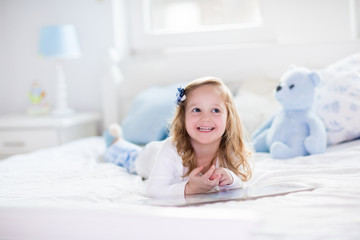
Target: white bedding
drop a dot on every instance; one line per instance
(69, 192)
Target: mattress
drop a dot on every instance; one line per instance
(69, 192)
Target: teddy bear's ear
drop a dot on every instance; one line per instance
(315, 77)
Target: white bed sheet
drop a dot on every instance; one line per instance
(69, 185)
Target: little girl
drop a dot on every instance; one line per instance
(205, 150)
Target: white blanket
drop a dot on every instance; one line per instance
(73, 177)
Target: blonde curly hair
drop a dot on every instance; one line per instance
(233, 152)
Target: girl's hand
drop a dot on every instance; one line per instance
(202, 183)
(225, 176)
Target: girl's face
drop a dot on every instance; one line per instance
(205, 115)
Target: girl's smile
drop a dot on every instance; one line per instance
(205, 129)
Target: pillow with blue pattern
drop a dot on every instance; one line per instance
(338, 99)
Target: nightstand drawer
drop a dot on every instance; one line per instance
(20, 133)
(21, 141)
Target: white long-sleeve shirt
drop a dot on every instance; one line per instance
(166, 179)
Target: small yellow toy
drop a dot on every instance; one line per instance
(38, 105)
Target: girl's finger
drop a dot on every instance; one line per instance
(210, 172)
(224, 182)
(227, 179)
(216, 180)
(196, 171)
(213, 175)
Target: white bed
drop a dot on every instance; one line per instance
(68, 192)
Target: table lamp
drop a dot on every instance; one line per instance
(59, 42)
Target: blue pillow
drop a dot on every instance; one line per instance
(149, 115)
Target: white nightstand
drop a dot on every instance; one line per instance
(20, 133)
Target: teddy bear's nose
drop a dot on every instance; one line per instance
(278, 88)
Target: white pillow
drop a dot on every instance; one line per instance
(338, 99)
(256, 103)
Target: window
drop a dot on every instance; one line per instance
(175, 16)
(158, 24)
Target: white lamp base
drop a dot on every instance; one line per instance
(61, 105)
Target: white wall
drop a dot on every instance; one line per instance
(2, 58)
(20, 22)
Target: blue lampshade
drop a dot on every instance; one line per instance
(59, 41)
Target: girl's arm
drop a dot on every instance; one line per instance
(165, 179)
